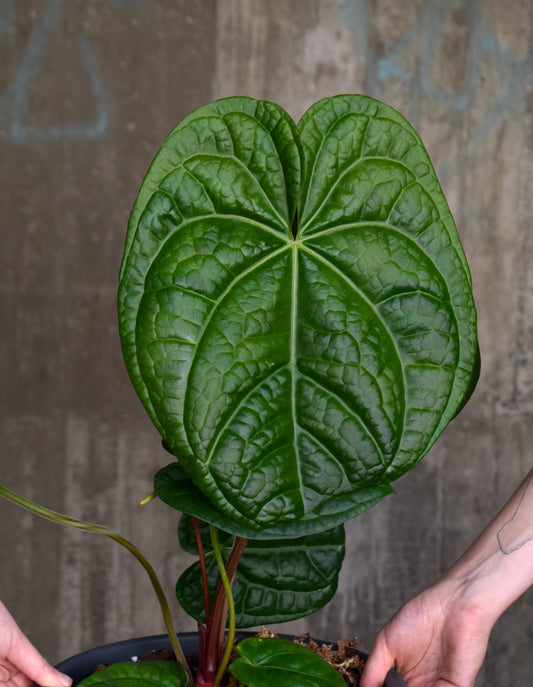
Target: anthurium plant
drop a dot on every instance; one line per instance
(296, 315)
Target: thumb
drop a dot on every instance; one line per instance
(25, 657)
(376, 668)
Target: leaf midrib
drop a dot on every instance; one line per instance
(294, 245)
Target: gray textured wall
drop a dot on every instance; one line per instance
(88, 90)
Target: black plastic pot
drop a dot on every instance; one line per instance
(83, 664)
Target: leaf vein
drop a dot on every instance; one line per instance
(349, 412)
(360, 161)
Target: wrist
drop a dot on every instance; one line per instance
(469, 599)
(486, 585)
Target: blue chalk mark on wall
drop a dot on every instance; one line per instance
(424, 34)
(430, 23)
(14, 100)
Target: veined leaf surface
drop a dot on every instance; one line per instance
(266, 662)
(176, 489)
(276, 580)
(295, 306)
(130, 674)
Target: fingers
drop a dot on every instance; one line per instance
(20, 663)
(29, 662)
(50, 677)
(10, 676)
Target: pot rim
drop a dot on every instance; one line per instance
(83, 664)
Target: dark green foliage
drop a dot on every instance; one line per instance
(295, 308)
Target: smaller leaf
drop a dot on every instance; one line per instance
(276, 580)
(187, 537)
(267, 662)
(129, 674)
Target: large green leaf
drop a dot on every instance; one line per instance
(276, 580)
(129, 674)
(267, 662)
(295, 306)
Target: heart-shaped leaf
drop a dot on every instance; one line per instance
(295, 306)
(276, 580)
(267, 662)
(129, 674)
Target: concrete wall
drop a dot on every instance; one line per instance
(88, 90)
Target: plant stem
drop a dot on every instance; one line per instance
(235, 556)
(201, 555)
(222, 607)
(231, 606)
(60, 519)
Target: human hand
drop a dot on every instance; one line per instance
(438, 639)
(20, 663)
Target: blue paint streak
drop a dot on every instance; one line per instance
(424, 35)
(14, 100)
